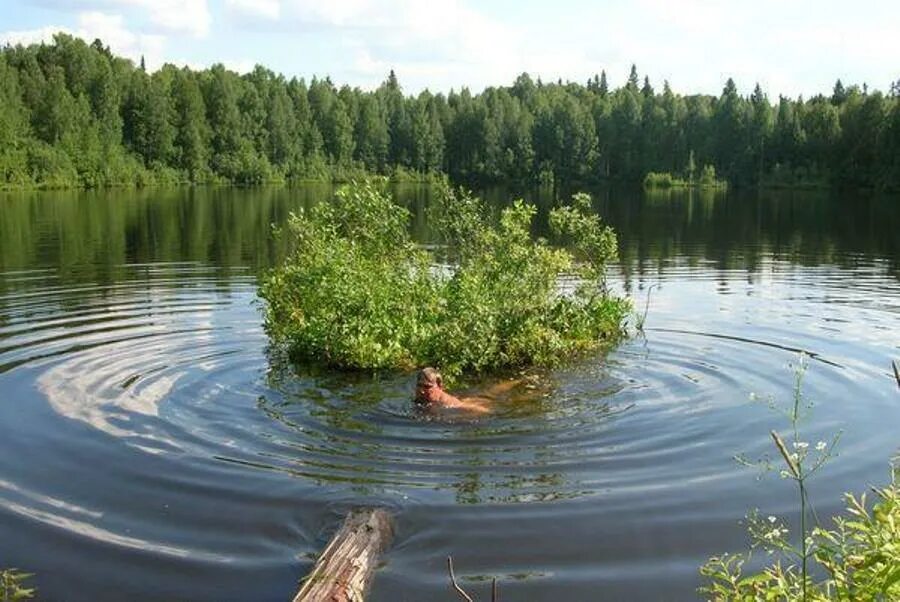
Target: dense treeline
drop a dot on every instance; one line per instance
(72, 114)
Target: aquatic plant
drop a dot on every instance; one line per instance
(664, 180)
(12, 586)
(357, 292)
(859, 556)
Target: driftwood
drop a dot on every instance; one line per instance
(896, 372)
(345, 567)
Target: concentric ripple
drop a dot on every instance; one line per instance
(175, 361)
(149, 430)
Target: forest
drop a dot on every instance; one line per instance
(73, 114)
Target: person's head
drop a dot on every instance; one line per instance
(429, 385)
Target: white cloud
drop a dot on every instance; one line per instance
(342, 13)
(425, 43)
(191, 17)
(182, 16)
(241, 66)
(260, 9)
(110, 29)
(786, 47)
(43, 35)
(695, 44)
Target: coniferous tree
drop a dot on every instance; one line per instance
(281, 124)
(149, 131)
(191, 128)
(647, 89)
(73, 114)
(788, 136)
(839, 95)
(730, 121)
(759, 128)
(14, 128)
(632, 84)
(220, 100)
(371, 134)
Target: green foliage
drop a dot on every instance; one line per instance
(359, 293)
(662, 180)
(400, 175)
(107, 116)
(50, 166)
(707, 180)
(859, 556)
(12, 586)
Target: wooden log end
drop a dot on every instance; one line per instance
(344, 569)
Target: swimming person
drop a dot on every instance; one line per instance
(430, 395)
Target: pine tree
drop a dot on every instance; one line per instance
(191, 129)
(604, 87)
(839, 95)
(632, 84)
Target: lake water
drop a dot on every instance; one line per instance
(152, 449)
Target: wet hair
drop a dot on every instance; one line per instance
(424, 377)
(429, 375)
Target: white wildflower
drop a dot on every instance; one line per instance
(772, 519)
(821, 445)
(800, 445)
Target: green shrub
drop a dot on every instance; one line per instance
(403, 175)
(50, 166)
(708, 178)
(661, 180)
(665, 180)
(13, 168)
(357, 292)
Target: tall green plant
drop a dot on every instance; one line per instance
(860, 555)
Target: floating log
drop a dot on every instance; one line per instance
(344, 569)
(897, 372)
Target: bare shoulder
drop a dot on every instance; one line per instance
(478, 405)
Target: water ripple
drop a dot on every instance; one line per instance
(168, 372)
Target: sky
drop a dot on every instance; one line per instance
(791, 47)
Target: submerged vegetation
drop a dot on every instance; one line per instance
(857, 559)
(358, 293)
(73, 114)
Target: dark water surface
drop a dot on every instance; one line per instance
(151, 449)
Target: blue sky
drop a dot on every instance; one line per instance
(790, 47)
